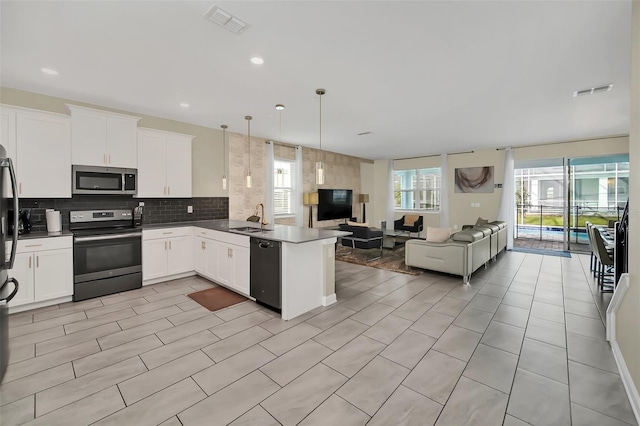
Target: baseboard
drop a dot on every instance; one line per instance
(36, 305)
(614, 304)
(329, 300)
(625, 375)
(168, 278)
(627, 380)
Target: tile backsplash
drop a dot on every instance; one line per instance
(156, 210)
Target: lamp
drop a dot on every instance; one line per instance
(310, 199)
(248, 172)
(279, 171)
(224, 156)
(363, 198)
(319, 165)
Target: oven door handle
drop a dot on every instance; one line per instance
(107, 237)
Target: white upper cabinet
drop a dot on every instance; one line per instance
(101, 138)
(164, 164)
(43, 157)
(8, 130)
(8, 141)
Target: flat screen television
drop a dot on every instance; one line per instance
(334, 204)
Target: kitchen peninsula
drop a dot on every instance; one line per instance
(220, 251)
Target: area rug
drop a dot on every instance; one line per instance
(217, 298)
(391, 260)
(542, 251)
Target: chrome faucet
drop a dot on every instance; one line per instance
(262, 221)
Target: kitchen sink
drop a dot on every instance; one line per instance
(246, 229)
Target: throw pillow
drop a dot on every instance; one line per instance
(357, 224)
(438, 235)
(481, 221)
(410, 219)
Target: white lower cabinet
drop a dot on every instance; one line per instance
(206, 258)
(223, 262)
(167, 252)
(180, 255)
(219, 256)
(233, 266)
(43, 269)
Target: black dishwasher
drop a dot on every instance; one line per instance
(266, 272)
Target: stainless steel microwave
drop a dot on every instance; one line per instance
(103, 180)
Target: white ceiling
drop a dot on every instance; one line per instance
(424, 77)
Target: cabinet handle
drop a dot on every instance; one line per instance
(37, 261)
(20, 188)
(165, 245)
(104, 158)
(203, 233)
(109, 159)
(167, 233)
(230, 252)
(169, 245)
(29, 263)
(33, 245)
(168, 190)
(164, 190)
(202, 245)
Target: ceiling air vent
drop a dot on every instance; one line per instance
(593, 90)
(225, 19)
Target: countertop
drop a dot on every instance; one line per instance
(43, 234)
(284, 233)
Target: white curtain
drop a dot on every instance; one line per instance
(268, 183)
(444, 191)
(299, 188)
(507, 202)
(391, 207)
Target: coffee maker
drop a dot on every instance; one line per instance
(137, 216)
(24, 221)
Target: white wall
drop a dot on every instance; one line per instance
(628, 317)
(460, 210)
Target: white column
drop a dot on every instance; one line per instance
(299, 188)
(268, 184)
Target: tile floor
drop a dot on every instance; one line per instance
(523, 344)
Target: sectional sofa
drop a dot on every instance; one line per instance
(462, 254)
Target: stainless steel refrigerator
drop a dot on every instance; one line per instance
(9, 285)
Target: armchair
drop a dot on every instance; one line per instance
(418, 225)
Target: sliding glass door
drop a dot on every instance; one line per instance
(555, 197)
(540, 205)
(598, 191)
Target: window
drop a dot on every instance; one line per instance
(283, 187)
(417, 189)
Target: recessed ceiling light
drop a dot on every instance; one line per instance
(184, 105)
(256, 60)
(49, 71)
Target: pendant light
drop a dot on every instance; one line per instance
(248, 172)
(224, 156)
(319, 165)
(279, 171)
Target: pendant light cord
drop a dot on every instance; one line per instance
(248, 118)
(224, 149)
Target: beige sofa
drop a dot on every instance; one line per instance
(462, 254)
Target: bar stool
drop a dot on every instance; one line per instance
(606, 262)
(592, 262)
